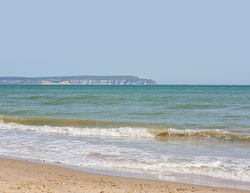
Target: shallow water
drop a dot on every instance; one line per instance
(192, 134)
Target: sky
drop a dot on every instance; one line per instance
(172, 42)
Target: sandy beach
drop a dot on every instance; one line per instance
(27, 177)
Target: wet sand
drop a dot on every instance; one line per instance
(26, 177)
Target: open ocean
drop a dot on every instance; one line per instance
(189, 134)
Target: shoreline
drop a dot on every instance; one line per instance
(24, 176)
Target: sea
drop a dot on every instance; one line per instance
(178, 133)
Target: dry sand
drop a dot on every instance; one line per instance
(22, 176)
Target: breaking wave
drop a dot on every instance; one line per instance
(115, 129)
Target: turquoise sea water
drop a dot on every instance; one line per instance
(193, 134)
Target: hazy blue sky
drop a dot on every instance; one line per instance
(178, 41)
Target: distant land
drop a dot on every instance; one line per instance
(77, 80)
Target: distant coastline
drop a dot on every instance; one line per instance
(77, 80)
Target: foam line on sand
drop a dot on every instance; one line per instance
(22, 176)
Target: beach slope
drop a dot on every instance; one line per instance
(23, 176)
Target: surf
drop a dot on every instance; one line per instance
(95, 128)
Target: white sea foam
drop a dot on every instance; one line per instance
(101, 132)
(118, 155)
(217, 169)
(127, 132)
